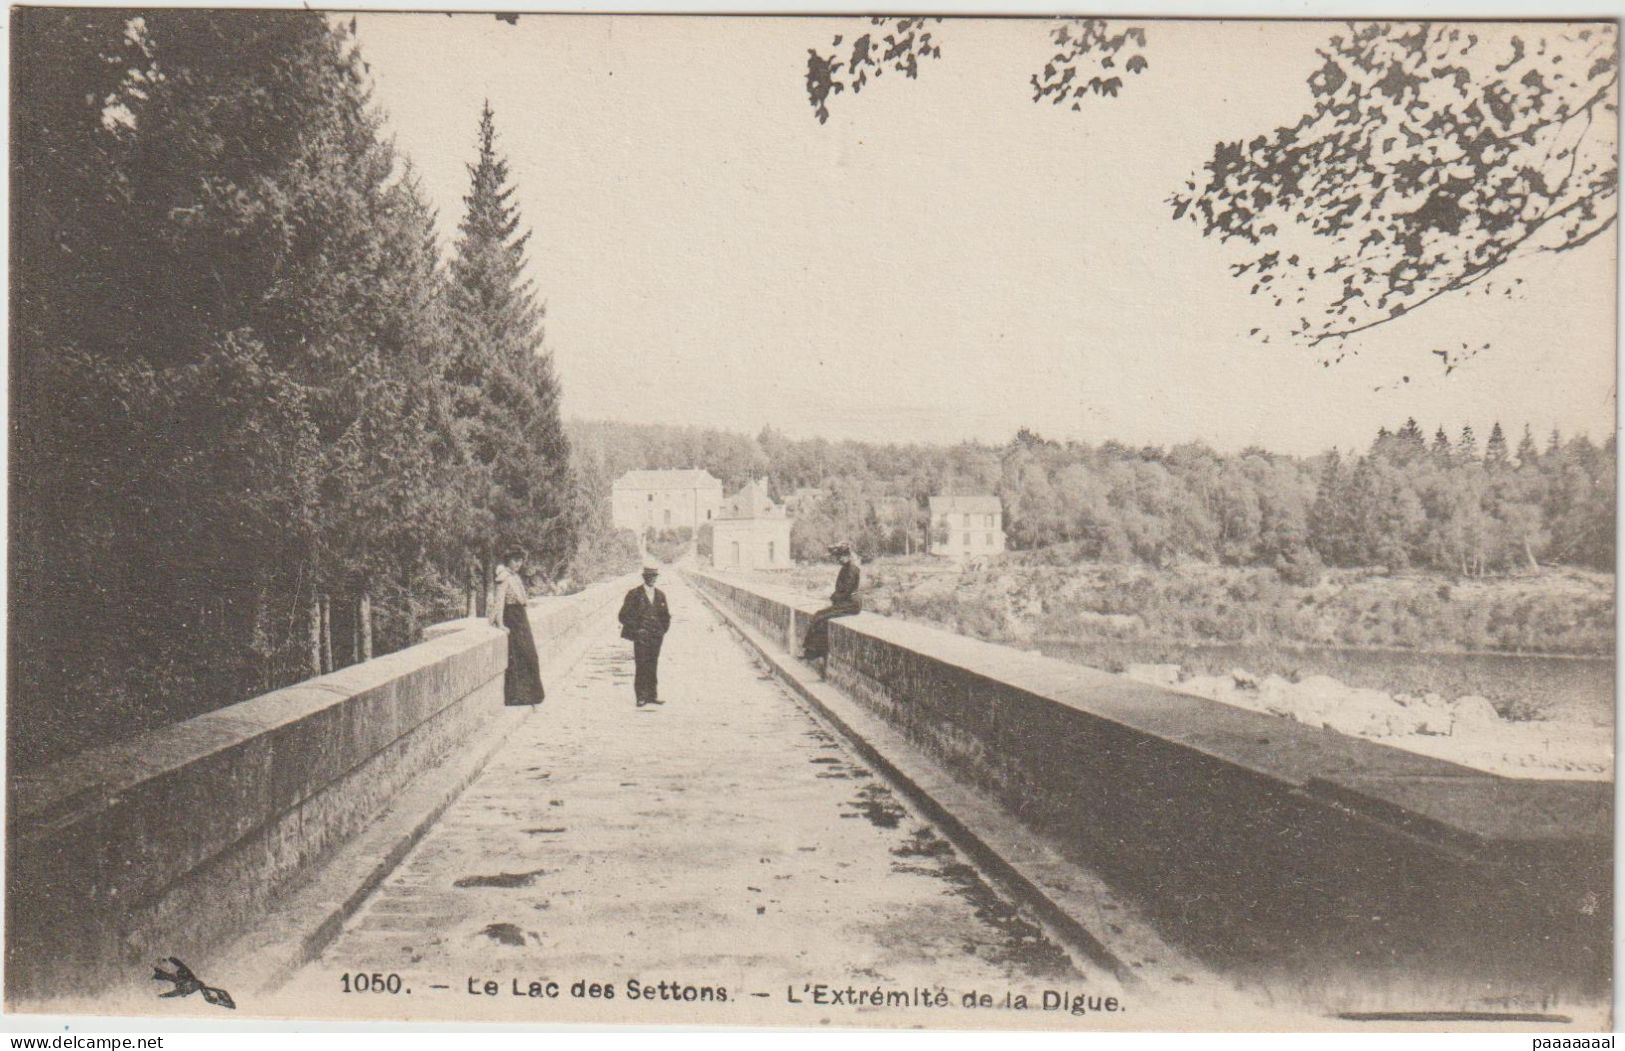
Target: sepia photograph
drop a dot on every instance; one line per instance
(1078, 523)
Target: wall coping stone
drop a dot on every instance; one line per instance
(71, 788)
(1428, 795)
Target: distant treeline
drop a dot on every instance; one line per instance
(1442, 503)
(260, 428)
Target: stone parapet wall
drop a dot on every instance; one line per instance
(171, 842)
(1250, 838)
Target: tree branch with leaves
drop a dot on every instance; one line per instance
(1085, 46)
(1432, 157)
(1091, 58)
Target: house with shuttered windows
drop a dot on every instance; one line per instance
(966, 527)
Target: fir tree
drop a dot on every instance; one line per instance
(245, 449)
(1441, 446)
(1329, 523)
(506, 397)
(1528, 453)
(1495, 451)
(1467, 446)
(1404, 446)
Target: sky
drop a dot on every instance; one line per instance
(944, 259)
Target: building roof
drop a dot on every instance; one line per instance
(974, 504)
(686, 478)
(751, 501)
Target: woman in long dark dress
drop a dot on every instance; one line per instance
(843, 602)
(522, 683)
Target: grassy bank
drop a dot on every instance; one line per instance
(1560, 611)
(1403, 633)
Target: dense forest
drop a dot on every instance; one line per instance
(263, 423)
(1445, 503)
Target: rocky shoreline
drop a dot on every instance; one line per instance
(1465, 730)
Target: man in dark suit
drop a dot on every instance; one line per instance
(644, 620)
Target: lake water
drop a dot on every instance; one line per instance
(1569, 688)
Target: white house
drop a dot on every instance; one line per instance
(642, 500)
(965, 527)
(751, 532)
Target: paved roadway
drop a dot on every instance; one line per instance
(722, 839)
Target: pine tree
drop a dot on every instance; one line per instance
(244, 444)
(64, 174)
(1441, 446)
(1329, 522)
(63, 233)
(1467, 446)
(1404, 446)
(400, 527)
(1495, 451)
(1528, 453)
(506, 397)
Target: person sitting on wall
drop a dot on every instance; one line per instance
(843, 602)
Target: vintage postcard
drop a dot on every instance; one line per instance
(1075, 523)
